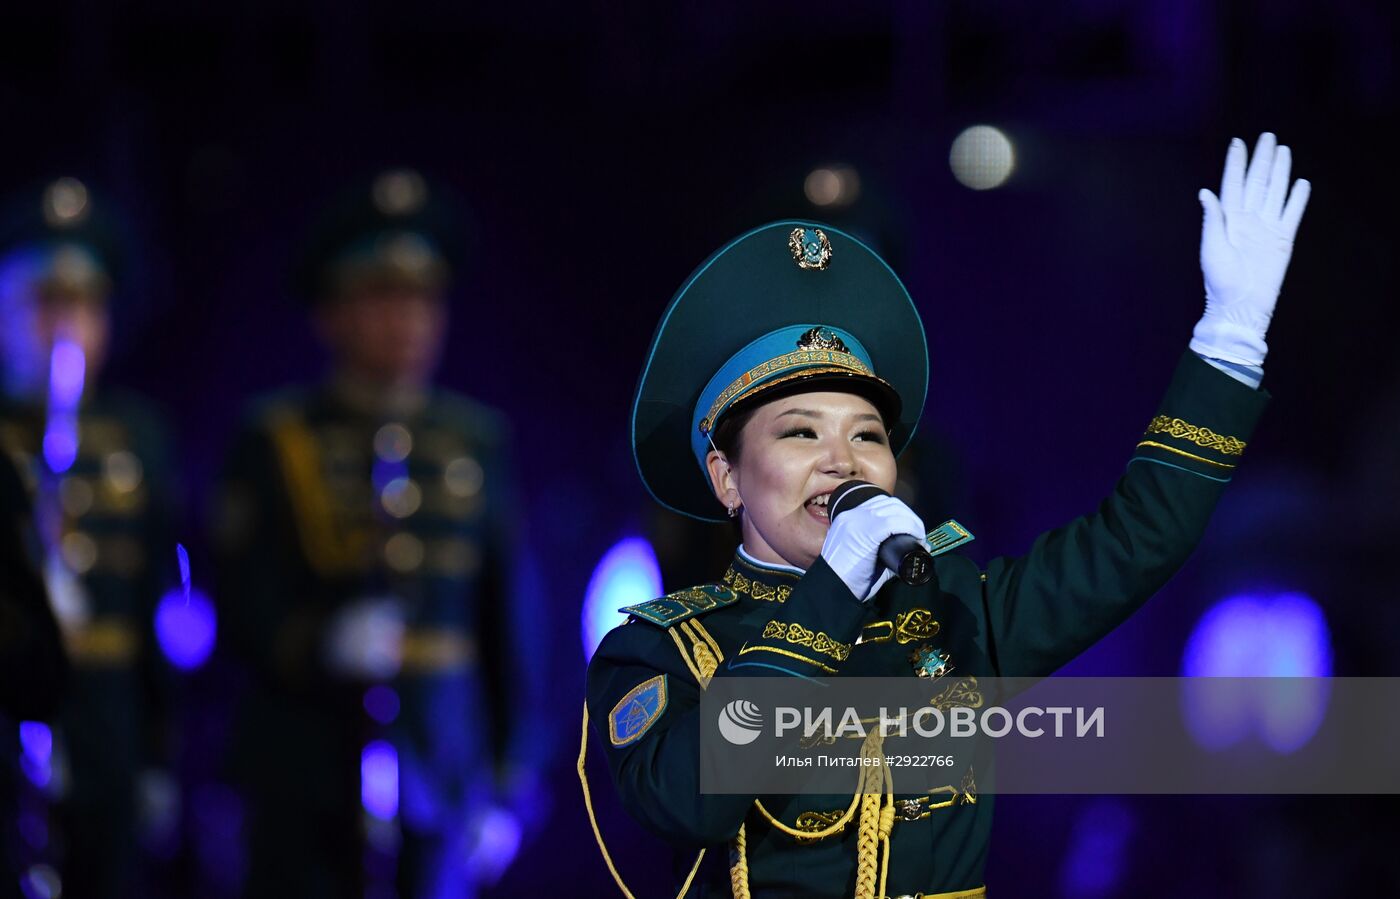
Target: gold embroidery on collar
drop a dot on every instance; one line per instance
(755, 590)
(1203, 437)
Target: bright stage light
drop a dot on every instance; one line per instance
(379, 780)
(832, 186)
(982, 157)
(36, 755)
(627, 574)
(67, 367)
(186, 627)
(1281, 635)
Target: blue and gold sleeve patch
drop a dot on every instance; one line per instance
(636, 712)
(676, 607)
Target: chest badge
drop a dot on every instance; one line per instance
(930, 662)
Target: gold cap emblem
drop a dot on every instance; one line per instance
(810, 249)
(821, 339)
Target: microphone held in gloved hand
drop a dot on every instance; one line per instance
(903, 554)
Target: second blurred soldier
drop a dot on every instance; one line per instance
(97, 464)
(368, 540)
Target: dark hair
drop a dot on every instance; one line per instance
(726, 435)
(726, 439)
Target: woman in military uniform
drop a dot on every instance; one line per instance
(792, 361)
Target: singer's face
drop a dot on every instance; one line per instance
(793, 452)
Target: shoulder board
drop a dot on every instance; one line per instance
(676, 607)
(948, 535)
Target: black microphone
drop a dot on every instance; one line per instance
(903, 554)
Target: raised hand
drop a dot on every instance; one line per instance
(1246, 242)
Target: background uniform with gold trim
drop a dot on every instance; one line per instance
(104, 513)
(302, 537)
(115, 555)
(339, 495)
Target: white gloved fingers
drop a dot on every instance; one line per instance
(853, 542)
(889, 516)
(1232, 180)
(1293, 212)
(1213, 224)
(1256, 181)
(365, 638)
(1278, 184)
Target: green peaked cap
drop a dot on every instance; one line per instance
(789, 306)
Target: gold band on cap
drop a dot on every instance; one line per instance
(822, 362)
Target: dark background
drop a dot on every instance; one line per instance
(607, 148)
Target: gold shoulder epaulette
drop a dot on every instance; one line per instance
(682, 604)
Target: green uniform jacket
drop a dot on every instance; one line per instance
(109, 518)
(1022, 616)
(33, 667)
(114, 530)
(305, 530)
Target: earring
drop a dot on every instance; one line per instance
(733, 510)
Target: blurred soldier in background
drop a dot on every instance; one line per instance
(33, 674)
(95, 462)
(368, 539)
(33, 669)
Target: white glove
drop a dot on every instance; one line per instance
(494, 838)
(854, 539)
(1246, 242)
(157, 804)
(68, 598)
(365, 639)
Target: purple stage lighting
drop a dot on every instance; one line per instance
(182, 558)
(1098, 847)
(1281, 635)
(33, 828)
(379, 780)
(66, 371)
(36, 755)
(41, 882)
(627, 574)
(186, 627)
(382, 703)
